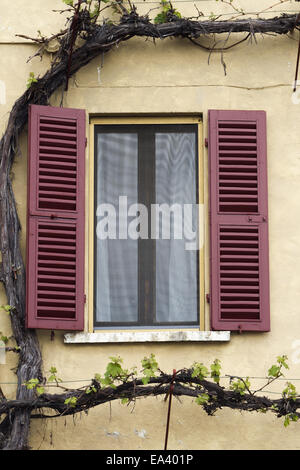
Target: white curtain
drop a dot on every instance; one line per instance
(176, 267)
(116, 293)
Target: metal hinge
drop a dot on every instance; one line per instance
(84, 298)
(208, 298)
(206, 142)
(86, 141)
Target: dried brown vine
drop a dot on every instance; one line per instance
(98, 39)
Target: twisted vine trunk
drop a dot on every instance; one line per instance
(14, 429)
(13, 277)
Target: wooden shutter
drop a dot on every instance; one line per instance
(55, 223)
(239, 297)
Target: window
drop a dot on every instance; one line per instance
(146, 281)
(146, 225)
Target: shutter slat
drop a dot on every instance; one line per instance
(63, 144)
(238, 153)
(57, 128)
(55, 164)
(239, 243)
(236, 130)
(237, 146)
(56, 303)
(53, 134)
(44, 231)
(57, 271)
(55, 243)
(62, 187)
(49, 248)
(58, 287)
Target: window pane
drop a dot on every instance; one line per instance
(176, 266)
(116, 292)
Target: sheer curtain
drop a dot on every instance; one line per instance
(116, 292)
(176, 267)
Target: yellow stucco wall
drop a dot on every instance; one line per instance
(173, 77)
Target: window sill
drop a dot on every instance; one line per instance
(147, 336)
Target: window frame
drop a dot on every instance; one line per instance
(144, 120)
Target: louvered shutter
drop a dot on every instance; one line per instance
(239, 277)
(55, 223)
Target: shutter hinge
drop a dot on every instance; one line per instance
(208, 298)
(85, 141)
(206, 142)
(84, 298)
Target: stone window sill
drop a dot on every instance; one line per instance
(145, 336)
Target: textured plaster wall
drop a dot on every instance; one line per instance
(173, 77)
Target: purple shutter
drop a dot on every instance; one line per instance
(55, 231)
(239, 276)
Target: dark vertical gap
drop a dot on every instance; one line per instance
(146, 247)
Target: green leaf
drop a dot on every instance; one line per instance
(274, 371)
(53, 377)
(71, 402)
(286, 421)
(31, 80)
(202, 399)
(163, 17)
(150, 367)
(291, 416)
(3, 338)
(290, 391)
(240, 386)
(215, 370)
(282, 361)
(98, 378)
(114, 371)
(40, 390)
(31, 384)
(7, 308)
(199, 371)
